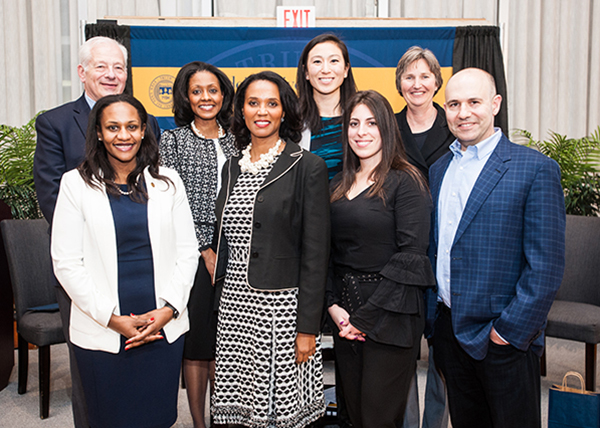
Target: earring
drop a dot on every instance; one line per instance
(282, 119)
(99, 139)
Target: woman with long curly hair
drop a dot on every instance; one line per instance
(380, 214)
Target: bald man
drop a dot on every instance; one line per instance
(497, 247)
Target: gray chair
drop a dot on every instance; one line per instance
(27, 245)
(575, 314)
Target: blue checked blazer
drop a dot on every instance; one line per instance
(507, 258)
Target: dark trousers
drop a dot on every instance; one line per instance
(343, 420)
(500, 391)
(80, 415)
(376, 379)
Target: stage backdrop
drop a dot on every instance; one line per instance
(157, 53)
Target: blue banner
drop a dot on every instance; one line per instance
(157, 53)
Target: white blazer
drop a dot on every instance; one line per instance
(84, 256)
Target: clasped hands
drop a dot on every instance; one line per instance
(143, 328)
(342, 319)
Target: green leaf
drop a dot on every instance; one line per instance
(17, 189)
(579, 160)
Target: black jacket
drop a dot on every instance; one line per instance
(436, 145)
(61, 147)
(290, 235)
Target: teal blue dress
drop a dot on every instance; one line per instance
(327, 144)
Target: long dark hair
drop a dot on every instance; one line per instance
(290, 129)
(96, 169)
(181, 103)
(308, 107)
(393, 155)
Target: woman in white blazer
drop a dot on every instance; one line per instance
(124, 249)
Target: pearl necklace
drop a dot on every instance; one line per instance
(265, 160)
(122, 192)
(221, 133)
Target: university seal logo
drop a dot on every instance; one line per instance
(161, 91)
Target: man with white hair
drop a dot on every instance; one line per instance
(61, 147)
(61, 131)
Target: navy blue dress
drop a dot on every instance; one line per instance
(138, 387)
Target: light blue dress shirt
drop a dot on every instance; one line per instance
(458, 182)
(90, 101)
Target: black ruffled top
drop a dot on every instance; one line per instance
(389, 238)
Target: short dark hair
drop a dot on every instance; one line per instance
(181, 104)
(96, 169)
(308, 107)
(290, 129)
(393, 155)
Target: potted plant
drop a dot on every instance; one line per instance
(17, 200)
(578, 160)
(17, 190)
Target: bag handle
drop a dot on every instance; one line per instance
(578, 376)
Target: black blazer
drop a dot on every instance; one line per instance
(61, 147)
(290, 236)
(436, 145)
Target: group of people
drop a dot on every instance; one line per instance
(226, 245)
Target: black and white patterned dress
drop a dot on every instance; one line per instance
(257, 381)
(195, 160)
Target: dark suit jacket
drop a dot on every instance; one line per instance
(436, 145)
(290, 234)
(507, 258)
(61, 147)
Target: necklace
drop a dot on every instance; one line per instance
(265, 160)
(122, 192)
(196, 131)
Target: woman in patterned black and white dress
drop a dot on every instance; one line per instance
(273, 212)
(197, 150)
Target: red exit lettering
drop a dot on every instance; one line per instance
(298, 18)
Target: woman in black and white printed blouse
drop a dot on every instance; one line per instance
(197, 150)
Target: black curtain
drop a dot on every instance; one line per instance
(480, 47)
(121, 34)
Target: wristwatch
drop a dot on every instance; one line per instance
(175, 311)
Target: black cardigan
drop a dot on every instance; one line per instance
(436, 145)
(290, 236)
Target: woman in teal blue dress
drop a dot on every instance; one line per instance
(325, 82)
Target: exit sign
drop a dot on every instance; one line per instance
(296, 16)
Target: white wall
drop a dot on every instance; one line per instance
(554, 66)
(552, 48)
(30, 72)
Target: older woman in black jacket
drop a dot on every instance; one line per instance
(273, 214)
(426, 138)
